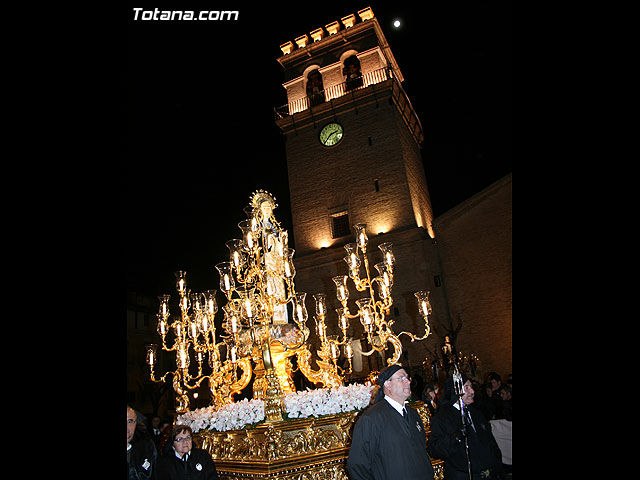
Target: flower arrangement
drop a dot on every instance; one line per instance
(237, 415)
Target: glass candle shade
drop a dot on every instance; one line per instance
(361, 235)
(181, 281)
(342, 292)
(289, 269)
(387, 253)
(226, 276)
(321, 308)
(235, 247)
(424, 306)
(151, 354)
(249, 237)
(301, 315)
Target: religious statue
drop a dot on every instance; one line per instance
(449, 354)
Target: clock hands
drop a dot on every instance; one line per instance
(332, 134)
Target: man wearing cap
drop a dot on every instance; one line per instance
(389, 441)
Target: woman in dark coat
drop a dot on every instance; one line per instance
(180, 460)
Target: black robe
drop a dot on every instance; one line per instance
(142, 457)
(199, 466)
(447, 443)
(384, 447)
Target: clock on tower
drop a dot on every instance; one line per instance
(352, 143)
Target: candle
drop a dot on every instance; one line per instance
(233, 355)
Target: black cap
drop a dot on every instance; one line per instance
(385, 375)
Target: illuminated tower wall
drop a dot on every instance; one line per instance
(373, 175)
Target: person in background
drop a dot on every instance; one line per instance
(141, 452)
(482, 400)
(389, 441)
(181, 460)
(430, 398)
(155, 431)
(505, 393)
(495, 380)
(447, 437)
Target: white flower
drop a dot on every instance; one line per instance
(318, 402)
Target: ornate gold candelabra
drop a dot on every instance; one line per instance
(373, 309)
(259, 340)
(194, 332)
(258, 283)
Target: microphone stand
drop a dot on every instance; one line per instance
(459, 390)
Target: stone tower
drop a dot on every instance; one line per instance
(353, 155)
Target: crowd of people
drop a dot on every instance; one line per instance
(388, 439)
(493, 397)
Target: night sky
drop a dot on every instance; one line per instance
(199, 136)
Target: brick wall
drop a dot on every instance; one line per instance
(474, 242)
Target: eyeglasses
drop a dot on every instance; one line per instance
(181, 439)
(403, 377)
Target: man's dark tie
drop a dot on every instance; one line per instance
(405, 414)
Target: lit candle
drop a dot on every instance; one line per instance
(233, 355)
(344, 321)
(341, 295)
(162, 325)
(321, 308)
(151, 354)
(348, 350)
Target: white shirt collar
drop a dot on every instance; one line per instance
(178, 455)
(394, 404)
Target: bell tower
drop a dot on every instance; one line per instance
(352, 143)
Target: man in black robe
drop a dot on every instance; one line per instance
(447, 437)
(389, 441)
(141, 451)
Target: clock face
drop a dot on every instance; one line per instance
(331, 134)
